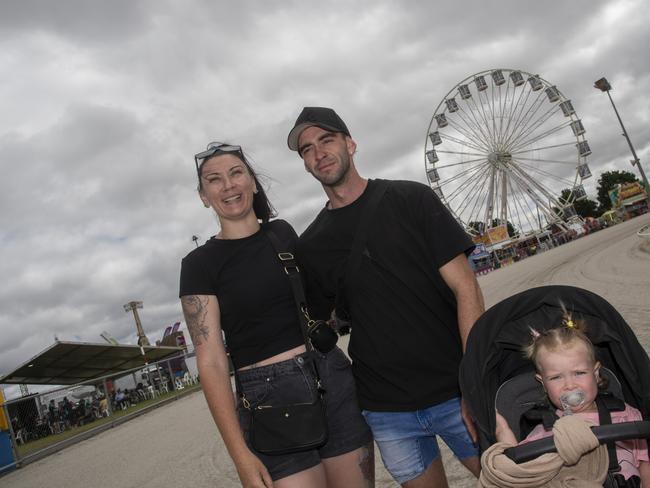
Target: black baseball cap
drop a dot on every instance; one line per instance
(322, 117)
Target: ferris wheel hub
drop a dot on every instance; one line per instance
(500, 159)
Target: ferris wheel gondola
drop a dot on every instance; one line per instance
(500, 148)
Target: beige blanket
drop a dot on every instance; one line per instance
(580, 461)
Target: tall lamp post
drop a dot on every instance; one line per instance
(603, 85)
(134, 306)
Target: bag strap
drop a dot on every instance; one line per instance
(290, 267)
(377, 191)
(288, 262)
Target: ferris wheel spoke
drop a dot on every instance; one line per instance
(547, 174)
(509, 116)
(546, 192)
(461, 163)
(466, 133)
(514, 108)
(461, 196)
(521, 199)
(543, 135)
(461, 174)
(553, 146)
(484, 115)
(478, 124)
(458, 191)
(475, 129)
(525, 121)
(461, 153)
(503, 102)
(514, 214)
(523, 115)
(479, 202)
(480, 110)
(461, 142)
(494, 115)
(552, 161)
(534, 126)
(473, 193)
(528, 197)
(524, 111)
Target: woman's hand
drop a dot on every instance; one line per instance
(252, 473)
(504, 432)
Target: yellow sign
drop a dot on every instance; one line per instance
(4, 424)
(630, 190)
(493, 235)
(498, 234)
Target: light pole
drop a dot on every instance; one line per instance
(603, 85)
(196, 240)
(134, 306)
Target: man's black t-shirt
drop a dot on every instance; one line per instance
(258, 310)
(405, 343)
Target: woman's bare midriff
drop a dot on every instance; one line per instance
(283, 356)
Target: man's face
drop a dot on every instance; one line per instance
(327, 155)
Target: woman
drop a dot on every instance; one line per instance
(235, 283)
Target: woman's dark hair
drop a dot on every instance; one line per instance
(262, 206)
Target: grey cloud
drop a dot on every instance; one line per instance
(104, 105)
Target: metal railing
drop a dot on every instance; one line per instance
(42, 423)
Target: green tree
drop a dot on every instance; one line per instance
(585, 207)
(607, 181)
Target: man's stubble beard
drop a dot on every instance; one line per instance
(339, 176)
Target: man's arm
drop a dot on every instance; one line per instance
(459, 276)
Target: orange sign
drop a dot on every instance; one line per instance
(498, 234)
(493, 235)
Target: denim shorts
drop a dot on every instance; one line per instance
(407, 440)
(292, 381)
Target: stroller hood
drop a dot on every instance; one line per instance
(494, 348)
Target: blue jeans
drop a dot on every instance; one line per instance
(407, 440)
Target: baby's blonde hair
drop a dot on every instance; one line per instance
(569, 333)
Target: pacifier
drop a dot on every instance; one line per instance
(573, 398)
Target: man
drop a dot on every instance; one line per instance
(412, 302)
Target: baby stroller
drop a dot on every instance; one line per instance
(495, 373)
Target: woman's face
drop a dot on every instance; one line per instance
(227, 187)
(568, 369)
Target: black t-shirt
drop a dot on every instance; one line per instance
(405, 343)
(258, 310)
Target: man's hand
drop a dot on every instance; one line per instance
(503, 432)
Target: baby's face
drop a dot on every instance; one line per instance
(569, 369)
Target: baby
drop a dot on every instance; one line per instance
(567, 368)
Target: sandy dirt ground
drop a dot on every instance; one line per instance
(177, 445)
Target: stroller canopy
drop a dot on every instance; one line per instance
(494, 347)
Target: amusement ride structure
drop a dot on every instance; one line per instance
(501, 147)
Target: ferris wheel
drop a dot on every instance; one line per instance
(501, 147)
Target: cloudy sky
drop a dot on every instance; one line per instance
(104, 104)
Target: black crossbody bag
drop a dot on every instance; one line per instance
(296, 427)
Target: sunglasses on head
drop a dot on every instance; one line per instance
(214, 148)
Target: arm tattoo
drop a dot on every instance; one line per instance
(195, 311)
